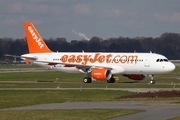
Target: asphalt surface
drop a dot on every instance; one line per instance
(125, 89)
(154, 110)
(24, 70)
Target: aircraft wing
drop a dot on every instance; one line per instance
(85, 68)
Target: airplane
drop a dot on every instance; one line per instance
(100, 65)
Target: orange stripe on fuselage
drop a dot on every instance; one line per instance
(97, 57)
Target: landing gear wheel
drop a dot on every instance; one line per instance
(111, 80)
(87, 80)
(152, 81)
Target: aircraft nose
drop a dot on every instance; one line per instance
(171, 67)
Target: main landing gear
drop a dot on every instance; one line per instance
(87, 80)
(111, 80)
(152, 81)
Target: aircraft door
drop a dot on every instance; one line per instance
(147, 61)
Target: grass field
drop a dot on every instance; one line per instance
(54, 79)
(14, 98)
(175, 118)
(84, 114)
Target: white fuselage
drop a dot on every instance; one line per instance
(118, 63)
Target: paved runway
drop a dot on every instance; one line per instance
(125, 89)
(155, 110)
(24, 70)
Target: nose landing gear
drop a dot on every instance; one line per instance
(152, 81)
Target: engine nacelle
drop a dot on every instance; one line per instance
(135, 76)
(101, 74)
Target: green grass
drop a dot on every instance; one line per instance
(52, 75)
(14, 98)
(46, 75)
(65, 80)
(175, 118)
(70, 80)
(82, 114)
(31, 76)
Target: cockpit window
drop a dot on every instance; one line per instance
(165, 60)
(162, 60)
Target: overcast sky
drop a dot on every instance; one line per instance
(102, 18)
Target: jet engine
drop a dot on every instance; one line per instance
(135, 76)
(101, 74)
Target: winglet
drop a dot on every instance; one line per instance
(35, 42)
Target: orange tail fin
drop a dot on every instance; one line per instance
(34, 40)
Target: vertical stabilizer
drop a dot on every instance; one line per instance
(35, 43)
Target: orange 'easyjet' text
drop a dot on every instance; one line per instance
(97, 57)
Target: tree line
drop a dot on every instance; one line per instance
(167, 44)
